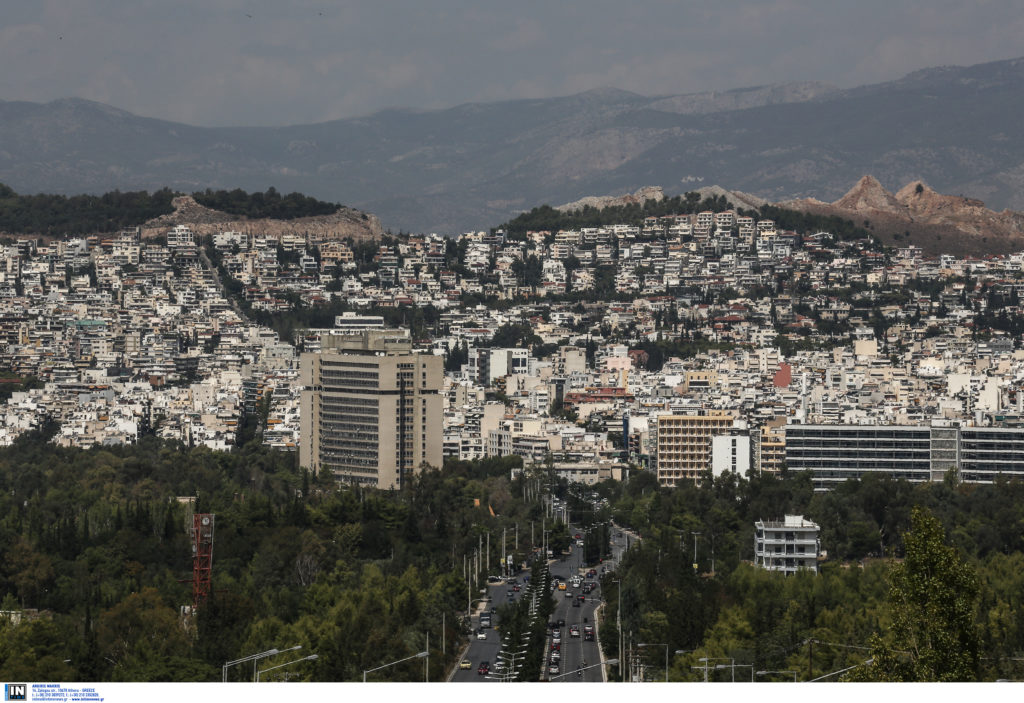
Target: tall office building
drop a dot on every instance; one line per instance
(684, 444)
(371, 408)
(918, 453)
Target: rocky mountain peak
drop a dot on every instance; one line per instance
(868, 195)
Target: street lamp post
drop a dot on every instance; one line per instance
(311, 657)
(608, 662)
(420, 655)
(765, 673)
(706, 667)
(658, 644)
(695, 536)
(254, 658)
(618, 625)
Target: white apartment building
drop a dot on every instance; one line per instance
(788, 545)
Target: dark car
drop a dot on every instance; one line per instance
(484, 668)
(561, 622)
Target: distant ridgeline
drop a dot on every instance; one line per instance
(57, 215)
(551, 219)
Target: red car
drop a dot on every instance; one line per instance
(485, 667)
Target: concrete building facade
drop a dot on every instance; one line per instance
(684, 444)
(371, 409)
(789, 545)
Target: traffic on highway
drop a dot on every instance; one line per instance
(571, 650)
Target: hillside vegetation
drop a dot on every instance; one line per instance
(59, 215)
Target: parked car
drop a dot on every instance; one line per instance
(484, 668)
(481, 634)
(553, 669)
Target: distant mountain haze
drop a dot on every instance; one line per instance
(476, 165)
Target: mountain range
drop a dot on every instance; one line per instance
(476, 165)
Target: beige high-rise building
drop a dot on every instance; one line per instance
(684, 444)
(371, 408)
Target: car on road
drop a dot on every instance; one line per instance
(561, 622)
(588, 632)
(556, 636)
(484, 668)
(574, 631)
(516, 588)
(481, 634)
(581, 598)
(556, 656)
(568, 594)
(561, 585)
(553, 669)
(465, 664)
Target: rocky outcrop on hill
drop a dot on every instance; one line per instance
(916, 214)
(736, 198)
(204, 221)
(602, 201)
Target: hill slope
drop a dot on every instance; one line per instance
(478, 164)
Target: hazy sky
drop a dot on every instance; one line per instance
(274, 62)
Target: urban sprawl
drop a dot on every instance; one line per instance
(688, 345)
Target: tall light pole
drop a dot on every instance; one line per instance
(618, 625)
(311, 657)
(420, 655)
(695, 536)
(607, 662)
(254, 658)
(658, 644)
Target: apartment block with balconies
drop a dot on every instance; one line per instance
(787, 545)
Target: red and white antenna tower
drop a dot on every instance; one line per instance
(202, 557)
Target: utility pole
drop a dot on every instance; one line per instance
(618, 629)
(810, 659)
(504, 563)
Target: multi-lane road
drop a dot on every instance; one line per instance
(574, 650)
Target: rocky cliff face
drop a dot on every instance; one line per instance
(202, 220)
(602, 201)
(917, 214)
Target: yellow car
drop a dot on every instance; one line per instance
(561, 585)
(465, 664)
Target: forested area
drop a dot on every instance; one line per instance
(551, 219)
(96, 541)
(269, 204)
(98, 557)
(854, 609)
(58, 215)
(546, 217)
